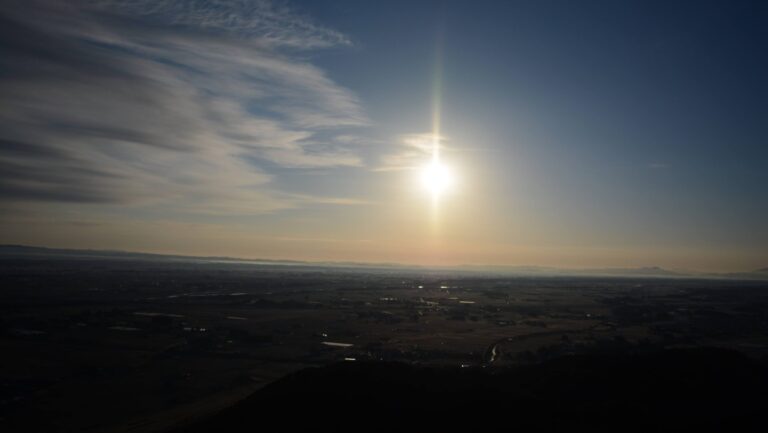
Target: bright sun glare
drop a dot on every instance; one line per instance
(436, 178)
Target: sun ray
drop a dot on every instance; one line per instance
(435, 175)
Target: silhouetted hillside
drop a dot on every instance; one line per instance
(699, 389)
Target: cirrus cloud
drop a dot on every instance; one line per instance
(165, 104)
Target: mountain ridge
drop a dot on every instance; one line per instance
(669, 390)
(515, 270)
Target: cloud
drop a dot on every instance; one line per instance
(272, 24)
(412, 151)
(166, 104)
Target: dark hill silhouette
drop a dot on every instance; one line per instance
(675, 390)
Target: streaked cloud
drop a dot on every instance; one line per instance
(272, 24)
(411, 151)
(166, 103)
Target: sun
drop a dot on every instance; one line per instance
(436, 178)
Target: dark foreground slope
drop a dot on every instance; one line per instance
(676, 390)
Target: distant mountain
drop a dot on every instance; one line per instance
(758, 274)
(700, 390)
(643, 271)
(21, 251)
(652, 271)
(27, 251)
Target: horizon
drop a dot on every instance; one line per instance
(651, 271)
(429, 134)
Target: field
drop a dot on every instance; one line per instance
(131, 344)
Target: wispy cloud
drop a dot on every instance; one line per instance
(272, 24)
(411, 151)
(165, 103)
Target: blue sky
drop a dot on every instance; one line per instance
(581, 133)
